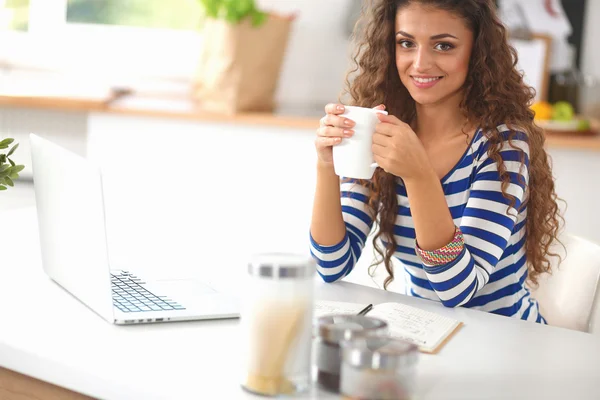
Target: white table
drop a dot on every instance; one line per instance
(47, 334)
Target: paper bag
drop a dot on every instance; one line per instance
(240, 64)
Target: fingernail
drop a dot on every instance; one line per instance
(340, 108)
(347, 133)
(337, 140)
(348, 122)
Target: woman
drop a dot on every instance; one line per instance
(464, 197)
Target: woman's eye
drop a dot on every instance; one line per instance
(405, 44)
(444, 46)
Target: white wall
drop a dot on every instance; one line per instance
(66, 128)
(591, 56)
(317, 57)
(578, 185)
(591, 33)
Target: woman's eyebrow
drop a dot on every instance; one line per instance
(434, 37)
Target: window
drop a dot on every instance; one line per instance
(108, 40)
(169, 14)
(14, 15)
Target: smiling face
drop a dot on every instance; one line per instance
(433, 49)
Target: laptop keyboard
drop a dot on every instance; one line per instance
(130, 296)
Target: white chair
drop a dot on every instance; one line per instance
(569, 297)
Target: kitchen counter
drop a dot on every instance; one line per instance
(182, 107)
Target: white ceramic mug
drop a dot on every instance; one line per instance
(353, 157)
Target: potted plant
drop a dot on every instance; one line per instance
(9, 171)
(242, 53)
(233, 11)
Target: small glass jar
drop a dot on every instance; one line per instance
(378, 368)
(276, 324)
(331, 331)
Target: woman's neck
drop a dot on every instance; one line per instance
(440, 121)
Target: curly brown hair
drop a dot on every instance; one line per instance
(494, 94)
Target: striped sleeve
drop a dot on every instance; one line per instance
(335, 262)
(487, 223)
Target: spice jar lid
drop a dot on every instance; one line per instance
(281, 266)
(379, 352)
(337, 328)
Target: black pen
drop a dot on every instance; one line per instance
(365, 310)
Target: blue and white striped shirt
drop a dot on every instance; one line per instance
(491, 271)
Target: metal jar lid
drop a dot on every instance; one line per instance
(282, 266)
(337, 328)
(380, 353)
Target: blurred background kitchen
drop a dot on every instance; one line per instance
(120, 82)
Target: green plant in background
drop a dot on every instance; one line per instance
(15, 13)
(8, 171)
(233, 11)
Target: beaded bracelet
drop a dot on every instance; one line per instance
(443, 255)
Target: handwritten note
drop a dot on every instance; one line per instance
(337, 307)
(425, 329)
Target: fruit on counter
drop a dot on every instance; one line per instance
(559, 117)
(583, 125)
(563, 111)
(543, 110)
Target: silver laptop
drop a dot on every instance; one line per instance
(75, 254)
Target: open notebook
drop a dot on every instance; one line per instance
(427, 330)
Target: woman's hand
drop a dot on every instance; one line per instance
(398, 150)
(332, 129)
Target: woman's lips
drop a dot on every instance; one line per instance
(425, 82)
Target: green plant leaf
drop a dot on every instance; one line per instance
(9, 181)
(4, 167)
(2, 187)
(12, 150)
(11, 162)
(233, 11)
(211, 7)
(242, 8)
(17, 168)
(14, 177)
(2, 158)
(258, 18)
(6, 142)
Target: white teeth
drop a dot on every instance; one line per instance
(425, 80)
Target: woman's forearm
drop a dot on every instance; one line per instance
(327, 225)
(434, 227)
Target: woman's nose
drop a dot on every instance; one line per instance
(423, 60)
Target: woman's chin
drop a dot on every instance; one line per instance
(430, 96)
(425, 99)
